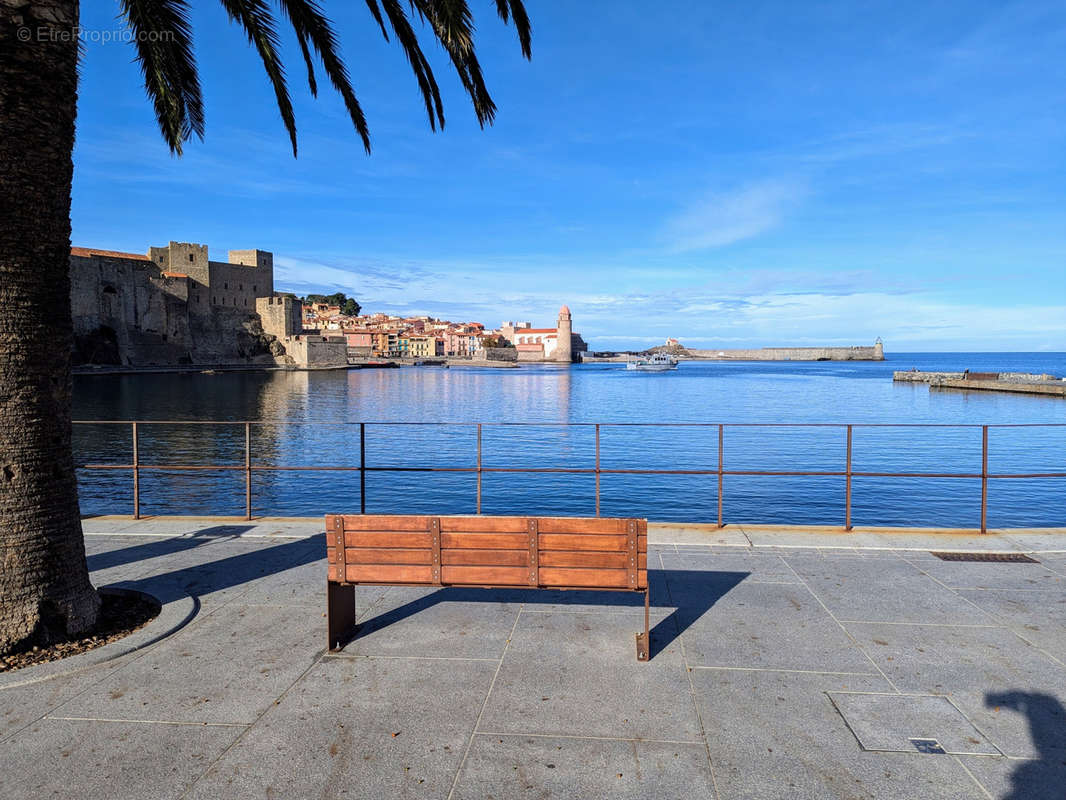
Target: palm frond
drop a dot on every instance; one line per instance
(427, 83)
(163, 39)
(258, 23)
(452, 24)
(517, 11)
(313, 28)
(375, 12)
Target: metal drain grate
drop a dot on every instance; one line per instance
(1011, 558)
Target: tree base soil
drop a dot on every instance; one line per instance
(120, 615)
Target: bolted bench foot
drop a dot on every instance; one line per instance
(643, 646)
(340, 614)
(644, 639)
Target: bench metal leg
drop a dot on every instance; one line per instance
(340, 614)
(644, 639)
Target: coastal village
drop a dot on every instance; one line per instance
(174, 306)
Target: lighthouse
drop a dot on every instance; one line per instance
(564, 333)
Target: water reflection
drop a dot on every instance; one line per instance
(463, 397)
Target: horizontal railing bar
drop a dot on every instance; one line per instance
(965, 426)
(567, 471)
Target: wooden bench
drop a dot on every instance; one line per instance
(605, 554)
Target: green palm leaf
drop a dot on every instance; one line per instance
(163, 38)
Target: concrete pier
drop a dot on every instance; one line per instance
(1019, 382)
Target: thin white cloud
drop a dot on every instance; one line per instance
(718, 219)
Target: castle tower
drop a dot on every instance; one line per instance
(564, 334)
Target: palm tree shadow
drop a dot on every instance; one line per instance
(689, 593)
(162, 547)
(235, 570)
(1044, 777)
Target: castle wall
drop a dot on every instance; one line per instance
(152, 310)
(238, 285)
(281, 316)
(316, 352)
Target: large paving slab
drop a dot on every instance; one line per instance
(1010, 690)
(227, 667)
(576, 674)
(63, 759)
(22, 705)
(884, 590)
(438, 623)
(1020, 779)
(760, 567)
(778, 735)
(761, 625)
(900, 723)
(988, 575)
(219, 571)
(1039, 617)
(548, 767)
(358, 727)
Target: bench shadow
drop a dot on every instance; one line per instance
(1044, 777)
(162, 547)
(688, 593)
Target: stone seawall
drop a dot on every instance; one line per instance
(874, 353)
(913, 376)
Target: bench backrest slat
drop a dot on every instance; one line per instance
(547, 552)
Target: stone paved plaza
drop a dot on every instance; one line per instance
(785, 663)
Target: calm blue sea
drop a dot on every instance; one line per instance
(303, 407)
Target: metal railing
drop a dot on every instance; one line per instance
(248, 468)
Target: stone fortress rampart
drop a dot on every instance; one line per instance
(174, 306)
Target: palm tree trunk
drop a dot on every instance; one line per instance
(44, 582)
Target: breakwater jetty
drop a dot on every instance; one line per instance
(876, 352)
(1018, 382)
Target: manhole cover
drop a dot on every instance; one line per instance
(1008, 558)
(896, 723)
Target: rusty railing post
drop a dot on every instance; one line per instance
(984, 479)
(597, 469)
(479, 468)
(721, 437)
(136, 476)
(362, 467)
(847, 485)
(247, 470)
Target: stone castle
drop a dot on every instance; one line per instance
(176, 306)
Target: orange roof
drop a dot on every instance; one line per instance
(89, 252)
(520, 331)
(168, 274)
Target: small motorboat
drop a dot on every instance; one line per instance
(657, 362)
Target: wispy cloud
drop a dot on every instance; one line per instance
(718, 219)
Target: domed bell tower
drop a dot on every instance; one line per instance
(564, 333)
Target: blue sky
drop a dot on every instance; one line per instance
(731, 174)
